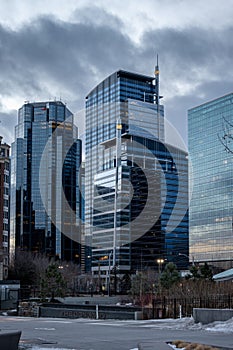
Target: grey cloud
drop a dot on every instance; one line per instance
(47, 56)
(177, 107)
(193, 51)
(215, 89)
(196, 57)
(69, 56)
(95, 16)
(8, 120)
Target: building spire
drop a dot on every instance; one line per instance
(157, 80)
(157, 93)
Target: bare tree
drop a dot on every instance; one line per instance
(227, 138)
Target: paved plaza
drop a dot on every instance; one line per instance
(86, 334)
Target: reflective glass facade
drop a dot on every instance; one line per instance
(132, 207)
(31, 225)
(211, 207)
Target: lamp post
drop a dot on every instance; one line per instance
(160, 262)
(118, 164)
(98, 261)
(109, 272)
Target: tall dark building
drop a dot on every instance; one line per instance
(46, 156)
(136, 194)
(4, 207)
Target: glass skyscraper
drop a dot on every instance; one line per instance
(210, 128)
(38, 225)
(136, 193)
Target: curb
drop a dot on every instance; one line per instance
(154, 346)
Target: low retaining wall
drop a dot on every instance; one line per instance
(83, 312)
(206, 316)
(91, 311)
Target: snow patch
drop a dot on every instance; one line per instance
(218, 326)
(174, 347)
(188, 323)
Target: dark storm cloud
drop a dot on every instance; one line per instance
(47, 56)
(194, 54)
(70, 56)
(196, 66)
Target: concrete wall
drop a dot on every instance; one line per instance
(89, 311)
(71, 313)
(206, 316)
(96, 299)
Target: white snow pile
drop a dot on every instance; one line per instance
(188, 323)
(218, 326)
(171, 323)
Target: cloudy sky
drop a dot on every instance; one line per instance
(63, 48)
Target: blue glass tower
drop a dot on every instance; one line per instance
(211, 207)
(32, 227)
(134, 214)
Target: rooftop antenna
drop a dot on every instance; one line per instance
(157, 80)
(157, 93)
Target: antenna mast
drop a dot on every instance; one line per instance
(157, 93)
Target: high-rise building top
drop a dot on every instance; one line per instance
(210, 127)
(4, 207)
(136, 97)
(38, 223)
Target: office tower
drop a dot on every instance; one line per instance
(4, 208)
(211, 208)
(46, 156)
(136, 200)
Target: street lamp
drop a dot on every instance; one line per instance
(160, 262)
(98, 261)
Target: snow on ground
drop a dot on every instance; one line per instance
(188, 323)
(225, 327)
